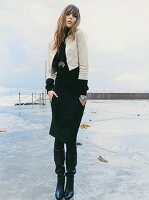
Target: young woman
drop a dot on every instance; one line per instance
(67, 86)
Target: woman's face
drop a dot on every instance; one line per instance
(70, 20)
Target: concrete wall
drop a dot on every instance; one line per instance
(118, 95)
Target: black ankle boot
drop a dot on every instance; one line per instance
(59, 157)
(71, 162)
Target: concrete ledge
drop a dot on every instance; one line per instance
(118, 96)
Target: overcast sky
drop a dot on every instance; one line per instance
(118, 42)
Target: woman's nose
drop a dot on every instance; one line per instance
(70, 16)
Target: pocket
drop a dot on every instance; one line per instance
(54, 103)
(53, 98)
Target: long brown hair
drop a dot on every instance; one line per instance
(61, 25)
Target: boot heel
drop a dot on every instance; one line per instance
(72, 198)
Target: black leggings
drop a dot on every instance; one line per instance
(71, 147)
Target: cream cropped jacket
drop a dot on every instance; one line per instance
(76, 55)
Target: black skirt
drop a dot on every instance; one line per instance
(67, 110)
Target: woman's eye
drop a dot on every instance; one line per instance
(73, 15)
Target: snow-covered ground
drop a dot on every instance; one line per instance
(119, 132)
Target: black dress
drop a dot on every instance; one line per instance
(67, 110)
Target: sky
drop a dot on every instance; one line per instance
(117, 37)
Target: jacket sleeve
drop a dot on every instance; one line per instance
(83, 87)
(51, 76)
(49, 84)
(83, 62)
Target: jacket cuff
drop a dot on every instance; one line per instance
(83, 86)
(49, 84)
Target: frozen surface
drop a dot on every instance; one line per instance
(119, 132)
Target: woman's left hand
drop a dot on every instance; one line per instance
(83, 101)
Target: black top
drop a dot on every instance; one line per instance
(60, 66)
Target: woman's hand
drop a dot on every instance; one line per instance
(51, 93)
(83, 101)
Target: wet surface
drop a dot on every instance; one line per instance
(119, 132)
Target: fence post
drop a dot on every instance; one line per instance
(19, 99)
(32, 98)
(40, 98)
(43, 98)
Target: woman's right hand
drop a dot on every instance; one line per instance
(51, 93)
